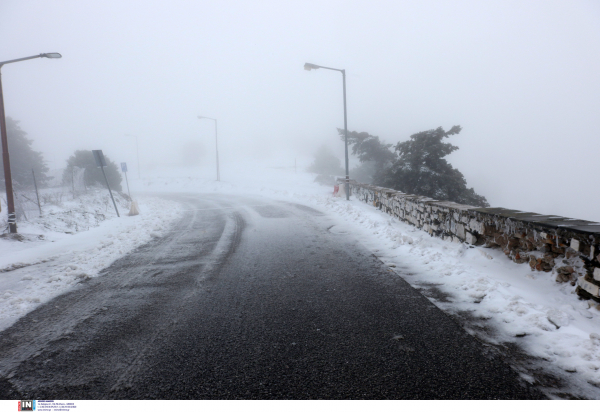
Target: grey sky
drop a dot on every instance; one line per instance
(521, 77)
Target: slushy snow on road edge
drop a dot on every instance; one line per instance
(47, 262)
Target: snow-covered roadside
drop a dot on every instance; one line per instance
(515, 305)
(519, 306)
(543, 317)
(73, 241)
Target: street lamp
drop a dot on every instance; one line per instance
(137, 148)
(309, 67)
(216, 144)
(10, 200)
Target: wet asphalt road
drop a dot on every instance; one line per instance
(248, 299)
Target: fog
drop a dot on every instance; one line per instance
(521, 78)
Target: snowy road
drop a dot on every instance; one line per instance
(248, 298)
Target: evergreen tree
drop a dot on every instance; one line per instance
(22, 158)
(326, 163)
(93, 175)
(374, 155)
(416, 166)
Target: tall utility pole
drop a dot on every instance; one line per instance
(10, 199)
(309, 67)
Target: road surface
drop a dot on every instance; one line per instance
(248, 298)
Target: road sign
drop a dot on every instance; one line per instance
(99, 158)
(123, 167)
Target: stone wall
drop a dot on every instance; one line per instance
(569, 248)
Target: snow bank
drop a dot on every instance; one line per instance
(74, 240)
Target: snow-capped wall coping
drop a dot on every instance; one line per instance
(570, 248)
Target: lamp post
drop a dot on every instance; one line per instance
(309, 67)
(10, 200)
(137, 148)
(216, 145)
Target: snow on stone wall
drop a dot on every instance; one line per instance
(570, 248)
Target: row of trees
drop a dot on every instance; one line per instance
(23, 159)
(416, 166)
(84, 159)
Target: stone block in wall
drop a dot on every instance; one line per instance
(500, 239)
(528, 245)
(547, 238)
(533, 262)
(589, 287)
(597, 274)
(459, 230)
(481, 227)
(575, 244)
(584, 248)
(476, 226)
(567, 270)
(470, 238)
(520, 258)
(548, 258)
(513, 243)
(562, 278)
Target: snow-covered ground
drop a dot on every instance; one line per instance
(74, 240)
(499, 301)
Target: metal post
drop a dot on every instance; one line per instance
(310, 66)
(346, 139)
(10, 199)
(128, 192)
(36, 191)
(73, 180)
(110, 191)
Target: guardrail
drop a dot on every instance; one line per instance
(569, 248)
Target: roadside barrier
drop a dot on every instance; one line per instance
(568, 248)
